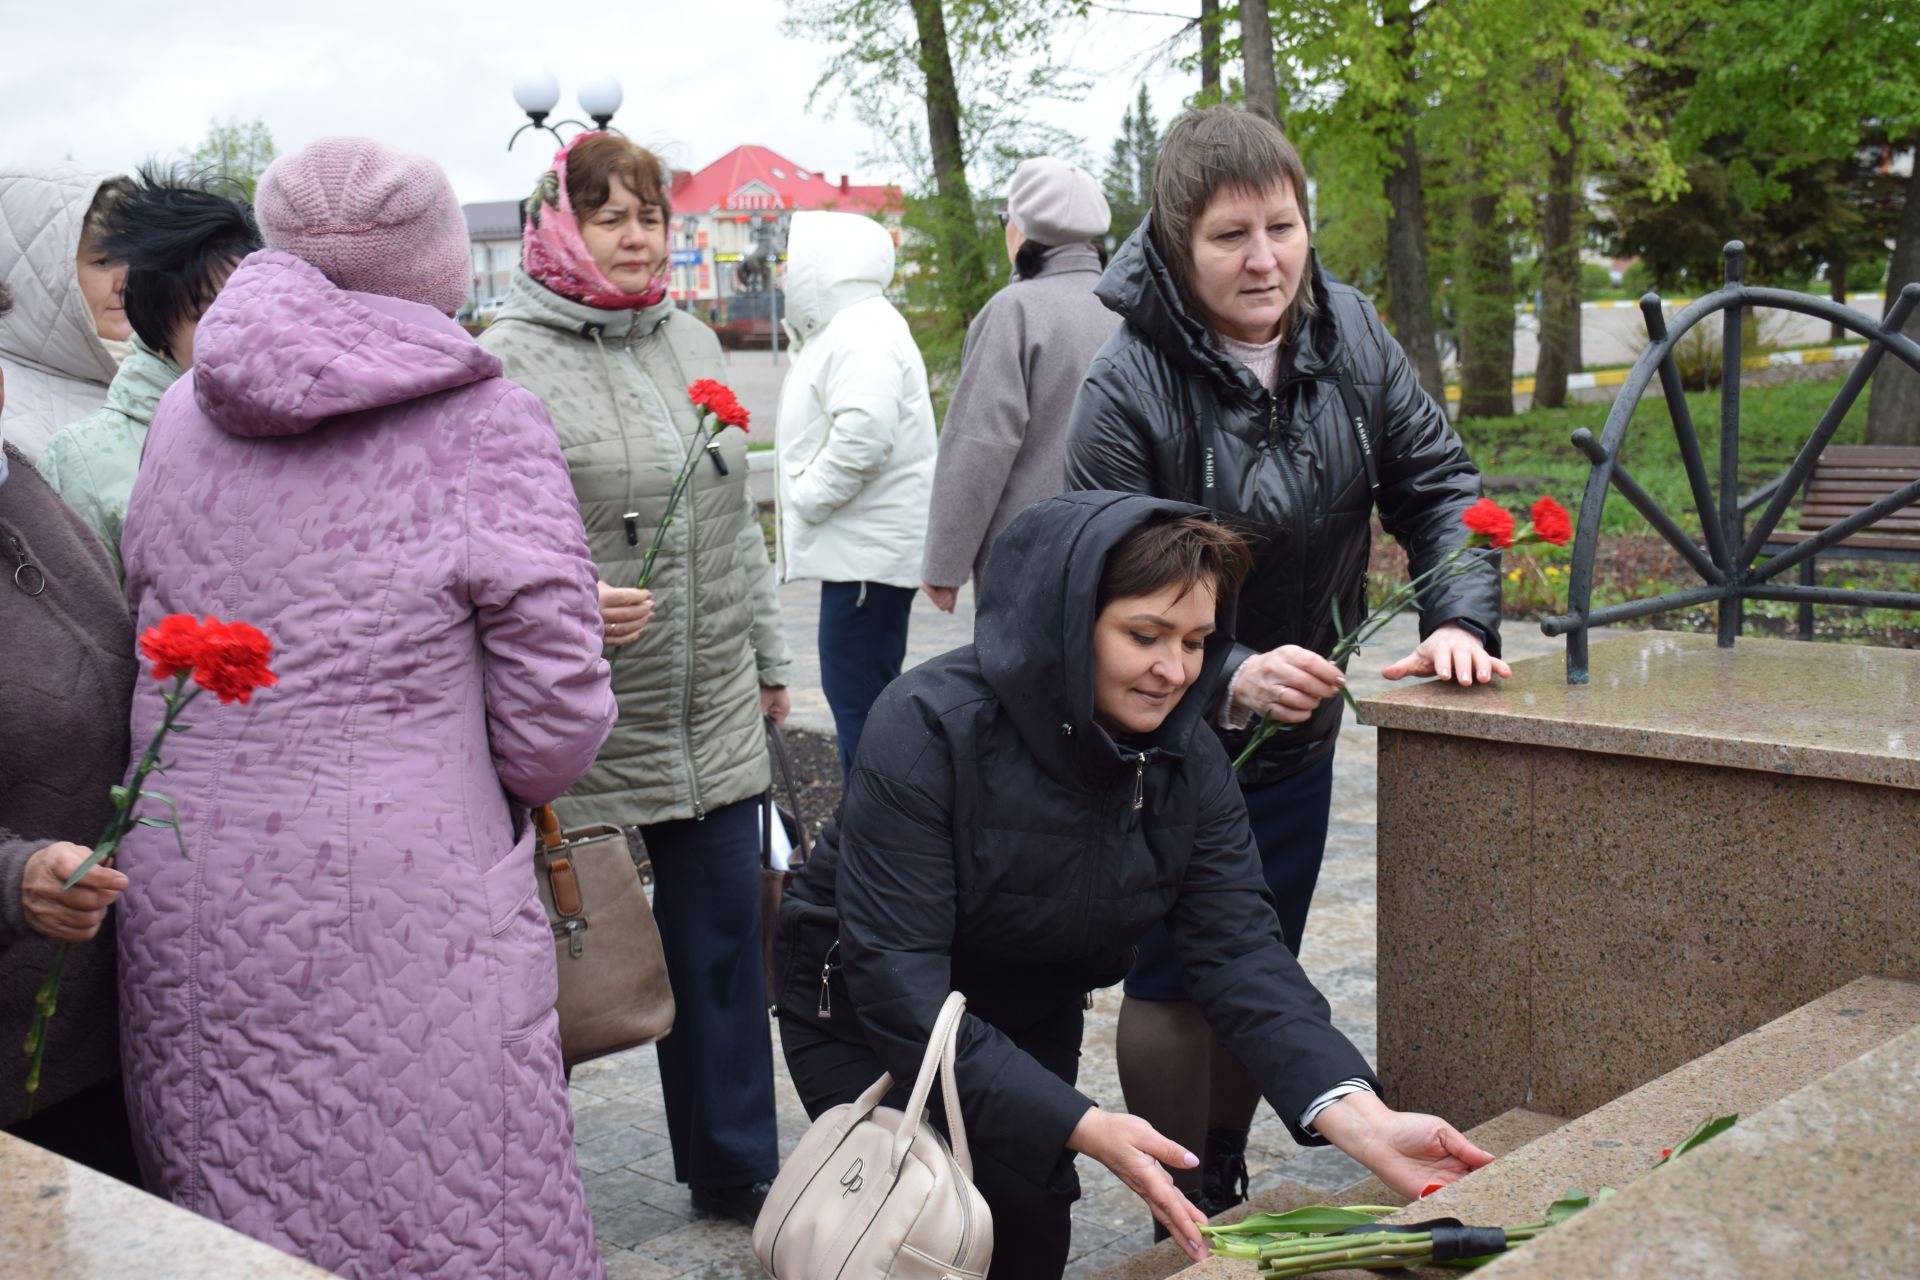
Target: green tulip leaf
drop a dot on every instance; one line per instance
(1566, 1206)
(1313, 1218)
(1708, 1130)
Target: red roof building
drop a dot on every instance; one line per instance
(756, 180)
(744, 198)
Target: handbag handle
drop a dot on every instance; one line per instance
(784, 759)
(546, 825)
(940, 1053)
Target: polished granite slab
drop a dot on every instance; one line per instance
(1848, 712)
(60, 1219)
(1826, 1144)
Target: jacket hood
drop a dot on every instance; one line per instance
(1139, 287)
(43, 210)
(530, 301)
(833, 261)
(144, 377)
(283, 349)
(1033, 632)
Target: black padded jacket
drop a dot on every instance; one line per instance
(997, 841)
(1164, 411)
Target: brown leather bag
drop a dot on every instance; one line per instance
(614, 992)
(773, 881)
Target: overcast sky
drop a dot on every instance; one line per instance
(111, 83)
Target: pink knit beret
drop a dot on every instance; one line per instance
(373, 220)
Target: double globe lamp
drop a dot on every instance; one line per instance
(538, 93)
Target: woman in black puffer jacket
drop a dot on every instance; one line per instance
(1246, 380)
(1021, 812)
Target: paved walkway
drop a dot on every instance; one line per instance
(645, 1221)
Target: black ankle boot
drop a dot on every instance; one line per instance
(1223, 1174)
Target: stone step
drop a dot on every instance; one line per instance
(1616, 1143)
(1818, 1184)
(1500, 1135)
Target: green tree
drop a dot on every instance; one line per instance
(237, 150)
(1129, 177)
(974, 68)
(1826, 70)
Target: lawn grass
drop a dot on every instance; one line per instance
(1774, 423)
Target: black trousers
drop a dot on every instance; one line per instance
(90, 1128)
(830, 1063)
(716, 1068)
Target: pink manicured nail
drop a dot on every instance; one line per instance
(1191, 1159)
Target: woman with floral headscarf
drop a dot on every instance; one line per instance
(588, 327)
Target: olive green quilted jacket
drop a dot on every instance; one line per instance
(689, 738)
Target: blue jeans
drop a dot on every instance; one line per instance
(716, 1068)
(863, 642)
(1289, 820)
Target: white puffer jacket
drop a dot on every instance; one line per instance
(856, 422)
(56, 367)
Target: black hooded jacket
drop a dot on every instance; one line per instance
(996, 840)
(1287, 469)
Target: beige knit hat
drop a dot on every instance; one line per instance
(373, 220)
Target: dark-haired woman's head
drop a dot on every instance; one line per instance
(1230, 220)
(179, 243)
(1158, 593)
(619, 196)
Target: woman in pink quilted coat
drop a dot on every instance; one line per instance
(337, 1004)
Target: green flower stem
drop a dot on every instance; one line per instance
(1456, 563)
(45, 1000)
(710, 427)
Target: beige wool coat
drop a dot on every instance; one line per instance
(689, 738)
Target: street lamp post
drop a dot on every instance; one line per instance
(538, 93)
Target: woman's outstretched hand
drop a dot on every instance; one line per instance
(1404, 1149)
(1451, 653)
(1131, 1148)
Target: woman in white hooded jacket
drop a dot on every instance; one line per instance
(66, 299)
(856, 457)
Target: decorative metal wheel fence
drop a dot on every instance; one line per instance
(1726, 564)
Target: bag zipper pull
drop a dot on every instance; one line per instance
(827, 967)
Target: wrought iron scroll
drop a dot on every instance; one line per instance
(1726, 564)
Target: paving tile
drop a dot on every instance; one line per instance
(628, 1226)
(622, 1146)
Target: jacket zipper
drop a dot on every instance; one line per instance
(687, 506)
(27, 576)
(1299, 517)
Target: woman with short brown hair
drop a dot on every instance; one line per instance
(589, 328)
(1248, 380)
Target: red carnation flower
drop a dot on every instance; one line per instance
(1491, 521)
(718, 399)
(1551, 522)
(233, 661)
(173, 646)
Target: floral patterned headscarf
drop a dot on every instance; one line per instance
(554, 253)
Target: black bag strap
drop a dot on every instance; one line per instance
(783, 759)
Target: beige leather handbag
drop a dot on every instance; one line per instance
(614, 992)
(873, 1193)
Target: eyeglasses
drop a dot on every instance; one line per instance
(1003, 216)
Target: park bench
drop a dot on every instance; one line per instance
(1845, 479)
